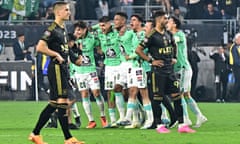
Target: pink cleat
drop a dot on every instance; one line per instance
(185, 129)
(162, 129)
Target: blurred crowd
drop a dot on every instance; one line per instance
(94, 9)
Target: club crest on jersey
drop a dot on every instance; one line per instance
(165, 41)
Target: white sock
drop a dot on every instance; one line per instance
(120, 104)
(87, 108)
(100, 103)
(185, 110)
(193, 106)
(149, 112)
(131, 106)
(75, 111)
(112, 114)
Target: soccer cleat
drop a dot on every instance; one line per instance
(147, 124)
(185, 129)
(103, 121)
(136, 124)
(72, 126)
(73, 140)
(218, 100)
(91, 124)
(78, 121)
(124, 123)
(173, 124)
(37, 139)
(162, 129)
(165, 121)
(200, 120)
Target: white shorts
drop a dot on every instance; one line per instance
(113, 76)
(125, 68)
(137, 78)
(87, 81)
(185, 79)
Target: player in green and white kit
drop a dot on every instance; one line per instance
(183, 68)
(127, 40)
(86, 74)
(140, 69)
(109, 42)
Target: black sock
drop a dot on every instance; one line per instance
(43, 118)
(63, 120)
(179, 110)
(157, 112)
(167, 103)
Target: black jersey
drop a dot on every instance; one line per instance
(56, 39)
(161, 47)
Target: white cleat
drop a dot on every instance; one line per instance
(200, 120)
(147, 124)
(133, 125)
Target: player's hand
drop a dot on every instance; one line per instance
(127, 57)
(79, 60)
(59, 58)
(159, 63)
(174, 61)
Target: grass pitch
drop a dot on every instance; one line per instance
(17, 119)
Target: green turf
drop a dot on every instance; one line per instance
(223, 127)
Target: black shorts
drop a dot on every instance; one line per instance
(58, 76)
(164, 84)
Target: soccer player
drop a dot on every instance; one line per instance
(163, 52)
(139, 72)
(127, 41)
(86, 74)
(54, 44)
(166, 103)
(183, 68)
(109, 43)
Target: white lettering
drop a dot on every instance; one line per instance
(24, 79)
(14, 80)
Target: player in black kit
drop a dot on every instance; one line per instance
(163, 50)
(54, 44)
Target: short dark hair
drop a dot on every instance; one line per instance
(158, 14)
(176, 21)
(59, 3)
(122, 14)
(80, 24)
(138, 17)
(104, 19)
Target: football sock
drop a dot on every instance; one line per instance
(178, 109)
(100, 103)
(112, 114)
(43, 118)
(120, 104)
(131, 106)
(185, 110)
(167, 103)
(87, 108)
(164, 112)
(149, 111)
(63, 120)
(157, 112)
(193, 106)
(75, 111)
